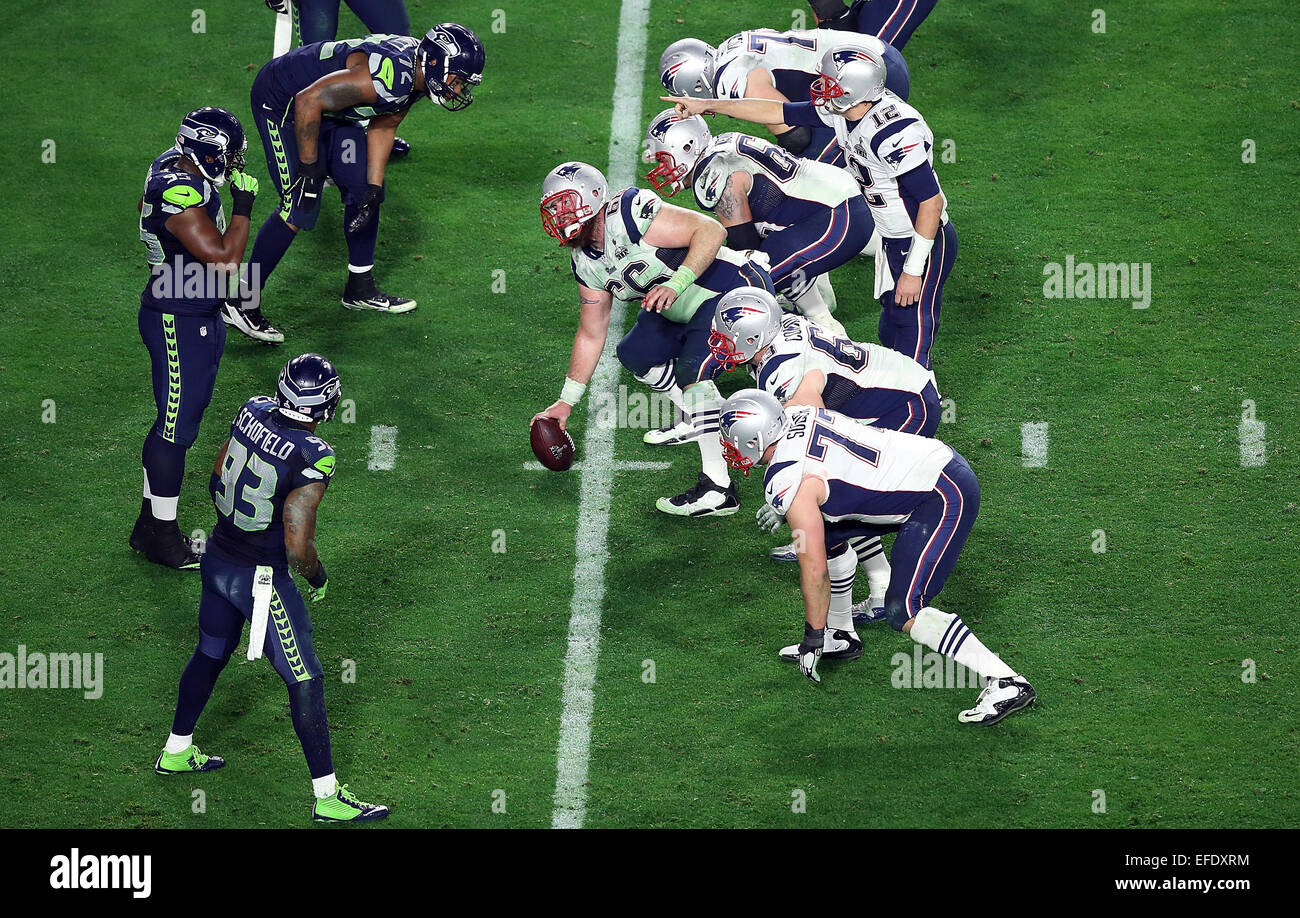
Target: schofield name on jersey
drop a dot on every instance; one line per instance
(263, 437)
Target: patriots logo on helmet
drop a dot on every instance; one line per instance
(734, 415)
(734, 314)
(659, 128)
(567, 171)
(849, 55)
(896, 155)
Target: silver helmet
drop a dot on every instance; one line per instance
(572, 194)
(747, 320)
(686, 68)
(749, 422)
(677, 146)
(851, 72)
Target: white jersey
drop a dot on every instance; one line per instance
(784, 189)
(869, 474)
(892, 139)
(863, 381)
(792, 58)
(628, 268)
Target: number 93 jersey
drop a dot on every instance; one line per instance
(268, 457)
(628, 268)
(873, 475)
(865, 381)
(784, 189)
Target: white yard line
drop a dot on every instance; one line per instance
(620, 466)
(1033, 444)
(590, 547)
(383, 448)
(1251, 436)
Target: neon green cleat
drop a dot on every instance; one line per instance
(343, 807)
(191, 760)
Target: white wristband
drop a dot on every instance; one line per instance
(572, 391)
(917, 255)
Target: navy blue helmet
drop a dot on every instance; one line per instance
(451, 49)
(214, 140)
(309, 389)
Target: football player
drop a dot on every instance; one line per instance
(834, 478)
(184, 230)
(796, 362)
(889, 147)
(267, 484)
(806, 217)
(766, 64)
(634, 248)
(892, 20)
(308, 105)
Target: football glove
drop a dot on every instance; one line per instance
(305, 193)
(810, 651)
(317, 585)
(769, 518)
(367, 209)
(243, 188)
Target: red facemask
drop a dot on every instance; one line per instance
(724, 350)
(735, 459)
(667, 175)
(825, 88)
(563, 210)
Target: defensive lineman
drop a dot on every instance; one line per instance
(833, 478)
(184, 231)
(633, 247)
(268, 481)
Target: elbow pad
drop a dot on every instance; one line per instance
(796, 140)
(743, 237)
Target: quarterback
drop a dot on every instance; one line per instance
(833, 478)
(632, 247)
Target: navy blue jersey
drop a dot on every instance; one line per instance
(179, 283)
(391, 59)
(268, 457)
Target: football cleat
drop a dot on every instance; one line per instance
(869, 611)
(783, 553)
(343, 807)
(378, 301)
(162, 543)
(186, 762)
(705, 499)
(400, 148)
(672, 434)
(1000, 698)
(837, 645)
(251, 323)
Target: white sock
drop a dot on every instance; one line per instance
(354, 269)
(949, 635)
(177, 744)
(703, 402)
(841, 567)
(162, 508)
(324, 787)
(871, 555)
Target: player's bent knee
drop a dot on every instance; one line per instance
(217, 648)
(896, 612)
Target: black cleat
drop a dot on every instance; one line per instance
(161, 542)
(400, 148)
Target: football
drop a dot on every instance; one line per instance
(552, 444)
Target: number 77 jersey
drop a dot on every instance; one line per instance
(871, 475)
(268, 457)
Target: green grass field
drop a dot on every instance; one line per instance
(1123, 146)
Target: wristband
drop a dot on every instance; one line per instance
(319, 580)
(812, 637)
(312, 170)
(571, 393)
(914, 264)
(682, 278)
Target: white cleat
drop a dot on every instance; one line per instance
(378, 301)
(1000, 698)
(836, 645)
(869, 611)
(783, 553)
(704, 499)
(672, 434)
(251, 323)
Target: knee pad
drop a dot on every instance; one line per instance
(217, 648)
(896, 612)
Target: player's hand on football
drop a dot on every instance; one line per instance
(659, 299)
(687, 106)
(559, 411)
(769, 518)
(243, 190)
(907, 290)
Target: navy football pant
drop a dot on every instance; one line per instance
(184, 354)
(892, 21)
(318, 20)
(653, 340)
(914, 413)
(801, 253)
(911, 329)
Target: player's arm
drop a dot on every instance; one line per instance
(759, 111)
(805, 519)
(588, 343)
(920, 183)
(734, 213)
(759, 85)
(200, 236)
(810, 390)
(299, 516)
(333, 92)
(676, 227)
(379, 144)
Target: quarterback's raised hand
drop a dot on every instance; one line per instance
(687, 106)
(243, 189)
(559, 411)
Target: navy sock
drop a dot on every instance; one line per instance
(196, 688)
(361, 244)
(273, 240)
(307, 704)
(164, 463)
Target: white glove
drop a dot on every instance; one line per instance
(769, 518)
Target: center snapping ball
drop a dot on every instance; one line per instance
(552, 444)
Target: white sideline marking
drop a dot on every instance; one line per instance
(620, 466)
(1251, 435)
(590, 546)
(1033, 444)
(383, 448)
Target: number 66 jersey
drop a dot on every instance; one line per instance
(268, 457)
(872, 475)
